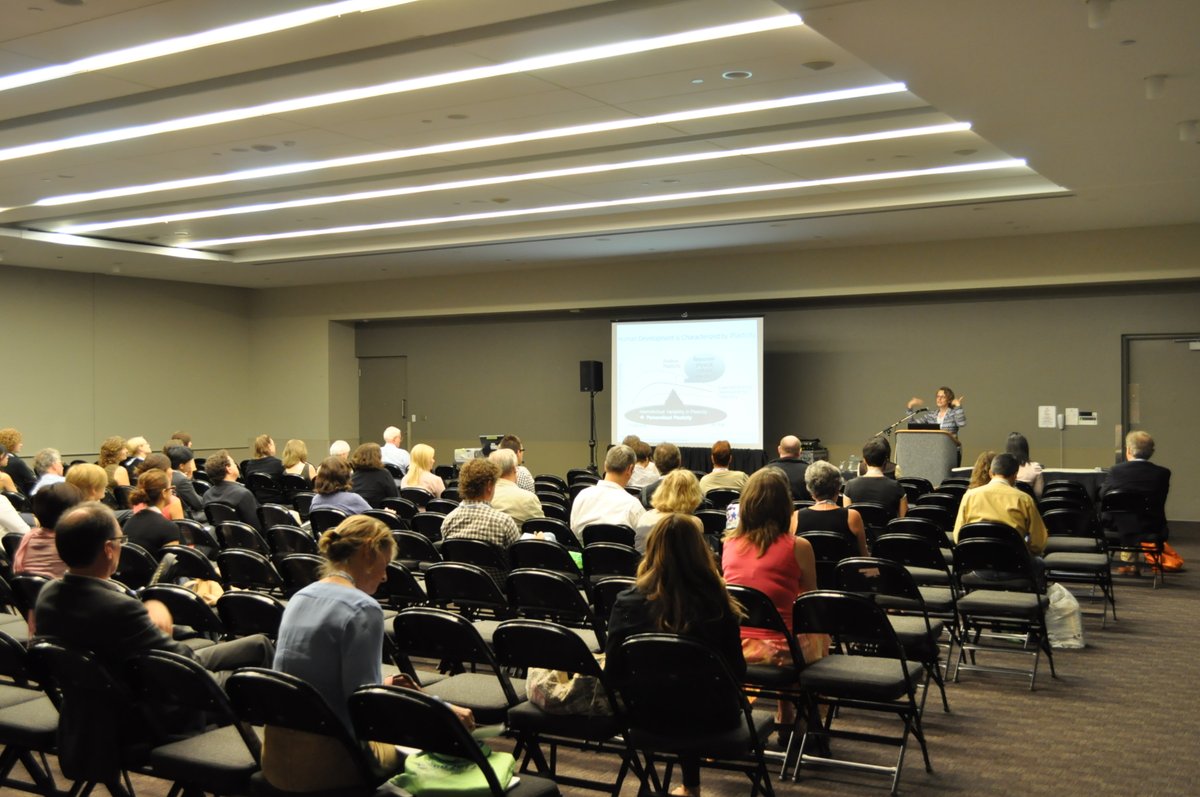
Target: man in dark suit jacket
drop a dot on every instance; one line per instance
(223, 473)
(1138, 474)
(793, 467)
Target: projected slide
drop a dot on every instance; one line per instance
(688, 382)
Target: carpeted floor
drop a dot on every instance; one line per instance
(1122, 718)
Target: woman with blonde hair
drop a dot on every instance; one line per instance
(679, 591)
(678, 492)
(295, 460)
(137, 449)
(331, 636)
(91, 480)
(264, 460)
(420, 471)
(113, 452)
(150, 527)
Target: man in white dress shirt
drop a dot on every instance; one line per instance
(606, 501)
(391, 450)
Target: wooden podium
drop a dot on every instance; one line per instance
(928, 454)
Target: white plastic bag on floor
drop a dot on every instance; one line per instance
(1064, 620)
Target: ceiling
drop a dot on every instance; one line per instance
(442, 173)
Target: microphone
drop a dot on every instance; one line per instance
(921, 409)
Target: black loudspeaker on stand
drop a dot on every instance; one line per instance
(591, 381)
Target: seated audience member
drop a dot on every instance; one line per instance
(340, 448)
(91, 480)
(156, 461)
(331, 637)
(22, 475)
(606, 501)
(222, 471)
(644, 472)
(792, 466)
(391, 452)
(37, 553)
(137, 449)
(184, 439)
(1138, 474)
(1028, 472)
(666, 459)
(999, 501)
(518, 504)
(721, 476)
(332, 488)
(762, 554)
(10, 518)
(149, 526)
(6, 482)
(981, 472)
(48, 466)
(295, 460)
(823, 481)
(874, 486)
(474, 518)
(524, 477)
(370, 479)
(113, 452)
(678, 591)
(183, 466)
(420, 471)
(86, 610)
(678, 494)
(264, 460)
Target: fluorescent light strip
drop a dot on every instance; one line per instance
(612, 203)
(573, 171)
(400, 86)
(478, 143)
(195, 41)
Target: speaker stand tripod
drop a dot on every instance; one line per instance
(592, 439)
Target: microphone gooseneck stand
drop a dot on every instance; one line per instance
(887, 430)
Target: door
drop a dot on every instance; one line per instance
(382, 396)
(1163, 386)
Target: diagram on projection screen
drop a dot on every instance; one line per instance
(688, 382)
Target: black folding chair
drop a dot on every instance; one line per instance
(546, 595)
(722, 497)
(829, 548)
(233, 534)
(298, 570)
(415, 551)
(28, 723)
(245, 569)
(245, 613)
(428, 524)
(556, 526)
(608, 532)
(324, 518)
(287, 539)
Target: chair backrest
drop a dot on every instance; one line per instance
(721, 497)
(559, 528)
(389, 519)
(829, 548)
(136, 567)
(543, 554)
(25, 590)
(577, 475)
(943, 517)
(921, 486)
(578, 487)
(197, 535)
(186, 607)
(412, 549)
(469, 587)
(429, 524)
(265, 697)
(1061, 501)
(868, 575)
(559, 482)
(121, 493)
(298, 570)
(546, 595)
(910, 550)
(987, 529)
(713, 520)
(13, 664)
(556, 512)
(551, 497)
(217, 512)
(418, 495)
(875, 517)
(247, 569)
(235, 534)
(19, 501)
(324, 518)
(1026, 488)
(444, 636)
(954, 481)
(855, 622)
(394, 470)
(956, 488)
(285, 539)
(443, 505)
(660, 676)
(604, 594)
(524, 643)
(266, 488)
(247, 613)
(475, 552)
(608, 532)
(410, 718)
(11, 541)
(920, 527)
(274, 514)
(1008, 557)
(191, 563)
(609, 559)
(302, 501)
(294, 483)
(1065, 487)
(401, 588)
(947, 501)
(761, 613)
(401, 506)
(1067, 522)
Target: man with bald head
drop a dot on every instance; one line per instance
(790, 463)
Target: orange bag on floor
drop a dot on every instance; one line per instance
(1172, 561)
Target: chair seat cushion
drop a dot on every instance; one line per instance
(31, 724)
(928, 575)
(533, 786)
(479, 692)
(1062, 544)
(916, 640)
(11, 695)
(217, 759)
(731, 743)
(528, 718)
(771, 676)
(1001, 603)
(858, 677)
(1088, 562)
(937, 599)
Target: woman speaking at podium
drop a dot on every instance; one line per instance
(948, 414)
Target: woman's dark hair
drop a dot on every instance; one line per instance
(1018, 446)
(154, 461)
(50, 502)
(332, 477)
(679, 577)
(876, 452)
(764, 510)
(367, 456)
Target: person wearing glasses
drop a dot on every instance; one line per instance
(150, 527)
(524, 477)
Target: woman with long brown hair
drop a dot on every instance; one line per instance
(679, 591)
